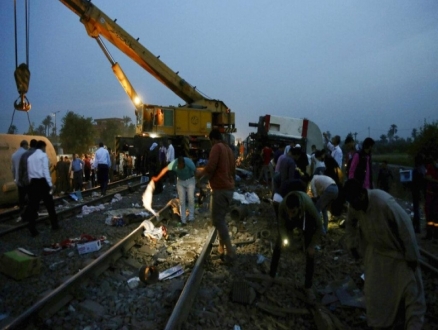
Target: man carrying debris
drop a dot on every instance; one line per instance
(383, 231)
(185, 173)
(297, 210)
(221, 172)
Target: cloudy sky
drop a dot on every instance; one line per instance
(349, 66)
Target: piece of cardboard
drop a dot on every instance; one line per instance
(18, 264)
(88, 247)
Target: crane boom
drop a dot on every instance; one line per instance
(97, 23)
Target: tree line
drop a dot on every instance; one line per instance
(78, 134)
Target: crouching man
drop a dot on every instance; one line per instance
(297, 210)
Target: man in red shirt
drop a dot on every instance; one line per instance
(266, 172)
(220, 170)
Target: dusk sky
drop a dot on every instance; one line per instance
(349, 66)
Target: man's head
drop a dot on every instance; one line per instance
(215, 136)
(100, 144)
(336, 140)
(24, 144)
(313, 148)
(181, 162)
(356, 195)
(367, 145)
(33, 143)
(349, 142)
(293, 205)
(61, 158)
(41, 145)
(295, 152)
(169, 141)
(319, 154)
(384, 164)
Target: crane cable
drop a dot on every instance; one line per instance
(22, 73)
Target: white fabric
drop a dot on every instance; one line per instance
(38, 166)
(151, 231)
(147, 197)
(277, 198)
(247, 198)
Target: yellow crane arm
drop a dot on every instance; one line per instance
(97, 23)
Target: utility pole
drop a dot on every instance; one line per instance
(368, 131)
(54, 114)
(355, 135)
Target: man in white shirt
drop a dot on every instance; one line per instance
(334, 147)
(40, 188)
(24, 145)
(325, 190)
(102, 163)
(170, 154)
(170, 157)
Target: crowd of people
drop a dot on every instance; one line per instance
(379, 231)
(305, 188)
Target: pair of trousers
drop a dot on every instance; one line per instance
(102, 177)
(310, 261)
(220, 201)
(186, 187)
(39, 190)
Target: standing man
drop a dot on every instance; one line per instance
(60, 184)
(162, 155)
(297, 210)
(361, 167)
(23, 177)
(16, 156)
(185, 173)
(334, 147)
(431, 197)
(113, 162)
(170, 157)
(378, 225)
(265, 173)
(102, 163)
(221, 172)
(77, 166)
(40, 188)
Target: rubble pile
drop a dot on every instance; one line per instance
(238, 296)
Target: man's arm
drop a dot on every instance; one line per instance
(213, 160)
(162, 173)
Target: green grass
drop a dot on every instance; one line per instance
(394, 159)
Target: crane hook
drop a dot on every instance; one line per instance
(22, 79)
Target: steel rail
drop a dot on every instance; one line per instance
(12, 213)
(190, 291)
(72, 210)
(95, 268)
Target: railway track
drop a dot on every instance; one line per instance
(95, 293)
(8, 218)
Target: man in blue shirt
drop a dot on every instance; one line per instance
(77, 166)
(185, 172)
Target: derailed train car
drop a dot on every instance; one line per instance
(9, 143)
